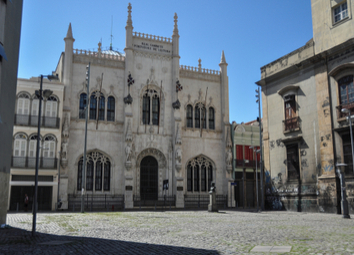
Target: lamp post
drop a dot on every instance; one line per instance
(256, 151)
(85, 146)
(40, 94)
(347, 111)
(258, 96)
(344, 202)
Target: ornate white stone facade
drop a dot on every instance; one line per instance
(142, 101)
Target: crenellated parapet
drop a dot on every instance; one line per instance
(199, 73)
(152, 37)
(97, 54)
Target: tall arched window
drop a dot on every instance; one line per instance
(51, 107)
(49, 145)
(93, 107)
(20, 145)
(203, 116)
(211, 118)
(199, 175)
(189, 116)
(146, 109)
(83, 103)
(23, 104)
(346, 88)
(151, 107)
(98, 172)
(32, 148)
(197, 117)
(110, 108)
(155, 110)
(101, 106)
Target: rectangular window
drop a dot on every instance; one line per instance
(196, 178)
(98, 179)
(347, 154)
(203, 179)
(189, 178)
(89, 175)
(107, 175)
(293, 162)
(340, 12)
(146, 110)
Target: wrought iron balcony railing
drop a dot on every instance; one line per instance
(32, 120)
(292, 124)
(246, 163)
(341, 114)
(30, 162)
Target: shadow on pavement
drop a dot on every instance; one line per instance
(19, 241)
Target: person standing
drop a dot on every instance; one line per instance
(26, 202)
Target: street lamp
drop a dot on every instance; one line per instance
(347, 111)
(344, 202)
(40, 94)
(256, 151)
(258, 96)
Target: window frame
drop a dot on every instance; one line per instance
(199, 169)
(295, 147)
(111, 105)
(340, 6)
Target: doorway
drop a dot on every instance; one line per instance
(148, 178)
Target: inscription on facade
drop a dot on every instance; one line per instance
(152, 47)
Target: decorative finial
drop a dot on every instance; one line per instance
(200, 65)
(223, 60)
(69, 34)
(175, 29)
(129, 21)
(99, 46)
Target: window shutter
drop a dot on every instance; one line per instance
(35, 104)
(247, 152)
(48, 108)
(23, 148)
(17, 148)
(51, 149)
(32, 148)
(20, 106)
(54, 109)
(46, 149)
(239, 152)
(251, 153)
(26, 107)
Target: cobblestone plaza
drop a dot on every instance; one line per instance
(177, 232)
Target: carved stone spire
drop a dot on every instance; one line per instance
(129, 21)
(223, 60)
(69, 34)
(175, 28)
(199, 65)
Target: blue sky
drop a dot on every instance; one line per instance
(251, 33)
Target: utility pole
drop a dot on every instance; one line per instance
(86, 118)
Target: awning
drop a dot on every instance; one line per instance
(2, 52)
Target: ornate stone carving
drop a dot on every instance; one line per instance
(128, 134)
(176, 105)
(178, 135)
(228, 160)
(66, 127)
(161, 159)
(178, 158)
(228, 137)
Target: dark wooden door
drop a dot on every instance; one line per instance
(149, 178)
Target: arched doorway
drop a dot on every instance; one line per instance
(148, 178)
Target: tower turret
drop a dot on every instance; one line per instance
(224, 89)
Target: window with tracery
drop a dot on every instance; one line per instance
(211, 118)
(98, 172)
(200, 116)
(93, 107)
(199, 175)
(110, 108)
(151, 107)
(189, 116)
(83, 103)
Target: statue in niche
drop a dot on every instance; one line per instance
(66, 126)
(128, 152)
(64, 149)
(128, 136)
(178, 135)
(178, 156)
(228, 157)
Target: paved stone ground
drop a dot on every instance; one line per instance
(177, 232)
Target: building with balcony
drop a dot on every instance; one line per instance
(150, 122)
(305, 131)
(247, 165)
(23, 162)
